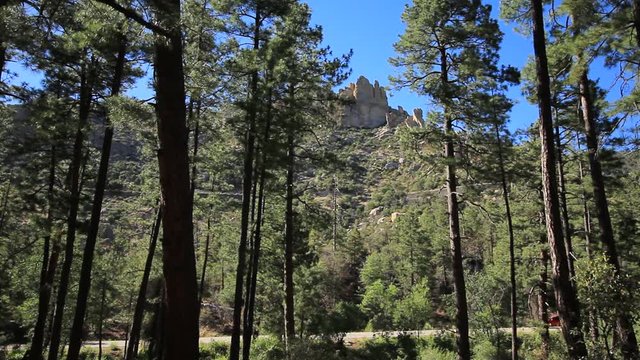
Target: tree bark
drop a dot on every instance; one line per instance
(86, 91)
(289, 325)
(462, 316)
(624, 325)
(138, 313)
(48, 270)
(180, 314)
(512, 257)
(247, 184)
(566, 298)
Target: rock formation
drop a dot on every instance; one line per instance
(367, 106)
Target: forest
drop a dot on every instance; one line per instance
(230, 214)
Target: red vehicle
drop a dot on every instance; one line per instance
(554, 320)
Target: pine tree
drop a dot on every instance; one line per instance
(566, 297)
(446, 44)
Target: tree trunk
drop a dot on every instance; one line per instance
(334, 228)
(257, 240)
(84, 286)
(624, 324)
(138, 313)
(180, 315)
(566, 225)
(289, 325)
(512, 257)
(586, 220)
(247, 184)
(86, 90)
(196, 137)
(543, 308)
(462, 316)
(566, 299)
(46, 280)
(204, 262)
(101, 320)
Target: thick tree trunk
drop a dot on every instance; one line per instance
(462, 316)
(138, 313)
(289, 325)
(512, 257)
(86, 90)
(624, 324)
(180, 315)
(75, 339)
(247, 185)
(44, 295)
(566, 298)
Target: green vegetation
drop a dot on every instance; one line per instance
(233, 203)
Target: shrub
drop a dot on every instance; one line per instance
(214, 351)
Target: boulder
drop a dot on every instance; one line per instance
(391, 165)
(376, 211)
(395, 216)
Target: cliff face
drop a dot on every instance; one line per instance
(368, 107)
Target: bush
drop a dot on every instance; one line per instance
(387, 348)
(267, 348)
(214, 351)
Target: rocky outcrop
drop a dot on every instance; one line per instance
(367, 106)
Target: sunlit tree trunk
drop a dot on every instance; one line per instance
(624, 324)
(565, 294)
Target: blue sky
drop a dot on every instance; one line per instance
(370, 27)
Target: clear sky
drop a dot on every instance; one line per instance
(370, 27)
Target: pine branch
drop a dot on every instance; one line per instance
(133, 15)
